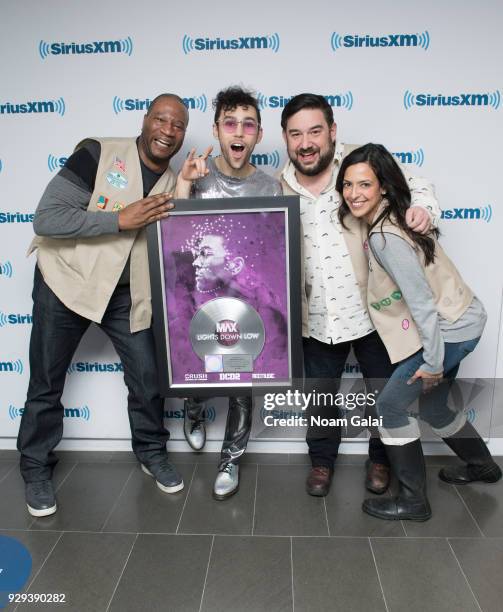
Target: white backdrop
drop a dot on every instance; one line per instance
(423, 78)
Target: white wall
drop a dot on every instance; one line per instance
(457, 50)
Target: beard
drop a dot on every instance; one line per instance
(323, 162)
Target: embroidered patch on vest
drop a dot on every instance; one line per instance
(405, 324)
(117, 180)
(117, 206)
(102, 202)
(120, 164)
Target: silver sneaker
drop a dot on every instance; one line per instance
(195, 432)
(227, 481)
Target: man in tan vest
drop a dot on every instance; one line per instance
(335, 272)
(92, 266)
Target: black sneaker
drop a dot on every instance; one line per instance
(166, 475)
(40, 498)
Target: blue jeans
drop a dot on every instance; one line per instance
(394, 401)
(55, 336)
(324, 364)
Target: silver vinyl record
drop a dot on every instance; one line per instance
(227, 326)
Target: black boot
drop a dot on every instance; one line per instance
(411, 503)
(469, 446)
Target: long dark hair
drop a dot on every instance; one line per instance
(392, 181)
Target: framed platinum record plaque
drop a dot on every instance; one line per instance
(225, 276)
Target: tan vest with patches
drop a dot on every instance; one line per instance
(389, 311)
(84, 272)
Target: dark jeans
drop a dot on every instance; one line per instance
(394, 402)
(324, 365)
(55, 336)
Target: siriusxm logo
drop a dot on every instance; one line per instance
(17, 217)
(470, 415)
(15, 319)
(342, 100)
(123, 45)
(14, 367)
(482, 213)
(491, 99)
(266, 159)
(358, 41)
(79, 412)
(55, 163)
(271, 42)
(35, 106)
(410, 157)
(209, 414)
(6, 269)
(120, 105)
(95, 366)
(282, 414)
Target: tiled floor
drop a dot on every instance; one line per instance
(118, 543)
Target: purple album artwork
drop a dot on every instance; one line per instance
(225, 281)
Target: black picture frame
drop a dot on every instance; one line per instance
(282, 214)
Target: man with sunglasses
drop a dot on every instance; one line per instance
(231, 174)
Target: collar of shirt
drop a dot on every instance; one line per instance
(288, 173)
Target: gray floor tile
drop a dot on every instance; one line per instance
(482, 560)
(333, 574)
(283, 507)
(352, 460)
(421, 574)
(203, 514)
(441, 460)
(164, 573)
(299, 459)
(86, 497)
(39, 544)
(485, 502)
(265, 458)
(85, 567)
(6, 467)
(449, 514)
(85, 456)
(143, 508)
(249, 574)
(175, 457)
(344, 502)
(13, 511)
(11, 455)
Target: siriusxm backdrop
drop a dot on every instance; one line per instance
(419, 77)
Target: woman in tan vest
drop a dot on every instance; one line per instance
(429, 320)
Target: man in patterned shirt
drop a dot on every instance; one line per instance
(335, 318)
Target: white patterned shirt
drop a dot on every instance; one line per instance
(336, 312)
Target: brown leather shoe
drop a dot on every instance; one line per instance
(319, 480)
(377, 479)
